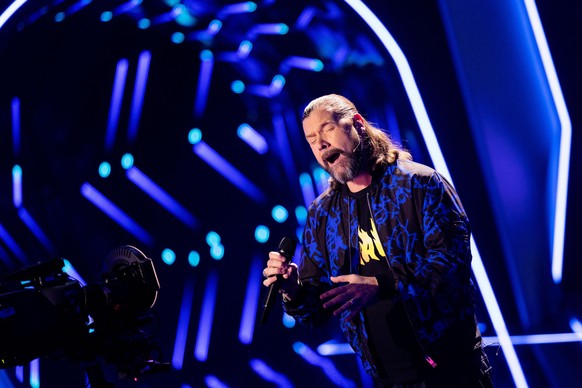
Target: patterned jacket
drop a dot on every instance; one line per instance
(426, 236)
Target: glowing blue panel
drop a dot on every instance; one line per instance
(324, 363)
(268, 374)
(279, 213)
(11, 244)
(206, 318)
(34, 377)
(8, 12)
(244, 49)
(245, 7)
(17, 186)
(251, 302)
(127, 161)
(164, 18)
(305, 17)
(143, 67)
(194, 258)
(115, 106)
(306, 188)
(237, 86)
(104, 169)
(301, 215)
(576, 327)
(35, 228)
(217, 251)
(213, 382)
(439, 163)
(19, 372)
(559, 221)
(177, 37)
(16, 126)
(168, 256)
(162, 197)
(301, 63)
(262, 234)
(228, 171)
(252, 138)
(183, 323)
(537, 339)
(125, 7)
(5, 380)
(288, 321)
(184, 18)
(334, 349)
(116, 214)
(214, 26)
(321, 178)
(269, 29)
(283, 147)
(212, 238)
(204, 78)
(276, 86)
(79, 5)
(194, 136)
(106, 16)
(144, 23)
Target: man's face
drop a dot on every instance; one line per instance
(333, 144)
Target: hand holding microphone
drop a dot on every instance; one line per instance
(279, 274)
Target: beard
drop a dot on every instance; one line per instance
(349, 166)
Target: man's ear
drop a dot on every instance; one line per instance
(359, 122)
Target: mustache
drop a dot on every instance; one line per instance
(328, 153)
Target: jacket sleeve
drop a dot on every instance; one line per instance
(446, 257)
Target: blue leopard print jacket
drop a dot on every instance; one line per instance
(426, 236)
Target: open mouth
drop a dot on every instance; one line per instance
(331, 158)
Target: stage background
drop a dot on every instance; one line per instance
(174, 126)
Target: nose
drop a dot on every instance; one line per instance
(321, 143)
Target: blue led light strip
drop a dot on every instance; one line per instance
(227, 170)
(16, 126)
(183, 323)
(206, 318)
(247, 323)
(12, 244)
(116, 214)
(537, 339)
(268, 374)
(204, 78)
(115, 106)
(440, 165)
(565, 141)
(326, 365)
(159, 195)
(35, 228)
(143, 67)
(8, 12)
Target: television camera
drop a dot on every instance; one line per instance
(44, 312)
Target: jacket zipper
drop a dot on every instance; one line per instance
(426, 356)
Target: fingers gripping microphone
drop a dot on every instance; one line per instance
(286, 249)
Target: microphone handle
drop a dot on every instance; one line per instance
(270, 299)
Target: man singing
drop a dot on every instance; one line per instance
(386, 249)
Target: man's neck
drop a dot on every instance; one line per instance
(360, 182)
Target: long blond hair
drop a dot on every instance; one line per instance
(383, 149)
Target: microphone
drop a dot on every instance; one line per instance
(359, 143)
(286, 249)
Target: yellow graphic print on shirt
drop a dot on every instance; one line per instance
(370, 245)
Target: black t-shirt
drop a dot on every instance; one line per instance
(391, 340)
